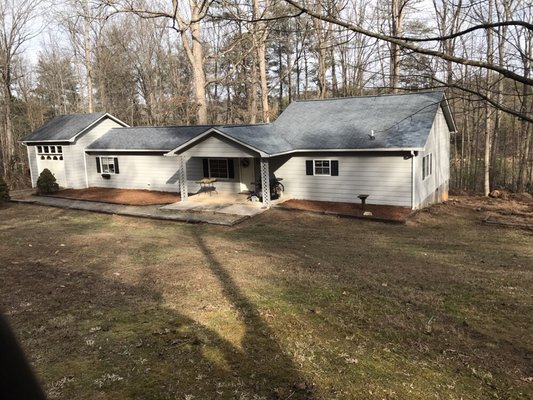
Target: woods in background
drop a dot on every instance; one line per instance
(225, 61)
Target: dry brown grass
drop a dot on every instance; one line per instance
(286, 305)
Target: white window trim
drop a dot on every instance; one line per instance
(218, 159)
(314, 166)
(427, 166)
(102, 165)
(52, 149)
(51, 154)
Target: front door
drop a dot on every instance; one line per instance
(247, 174)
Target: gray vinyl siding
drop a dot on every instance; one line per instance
(138, 172)
(32, 160)
(431, 189)
(386, 179)
(74, 154)
(155, 173)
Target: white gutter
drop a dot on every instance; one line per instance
(86, 174)
(410, 149)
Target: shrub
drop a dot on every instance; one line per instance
(4, 190)
(46, 184)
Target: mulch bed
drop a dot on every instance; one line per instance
(391, 213)
(120, 196)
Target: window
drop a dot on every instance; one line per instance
(427, 166)
(107, 165)
(322, 167)
(218, 168)
(45, 151)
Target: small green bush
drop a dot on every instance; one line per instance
(4, 190)
(46, 184)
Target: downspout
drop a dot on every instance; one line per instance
(412, 180)
(86, 173)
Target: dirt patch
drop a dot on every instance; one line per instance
(352, 209)
(509, 210)
(120, 196)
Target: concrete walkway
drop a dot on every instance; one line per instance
(220, 203)
(153, 212)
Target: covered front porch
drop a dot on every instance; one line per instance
(213, 164)
(219, 203)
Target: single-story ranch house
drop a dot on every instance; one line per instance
(393, 148)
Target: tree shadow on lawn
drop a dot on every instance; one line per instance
(441, 321)
(92, 337)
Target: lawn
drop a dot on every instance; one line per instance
(286, 305)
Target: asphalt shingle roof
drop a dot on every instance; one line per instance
(398, 121)
(147, 138)
(261, 137)
(63, 127)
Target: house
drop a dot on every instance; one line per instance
(60, 144)
(393, 148)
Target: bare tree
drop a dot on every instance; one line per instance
(17, 19)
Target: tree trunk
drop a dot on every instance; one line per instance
(397, 14)
(261, 35)
(191, 37)
(87, 50)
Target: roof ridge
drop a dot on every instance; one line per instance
(165, 127)
(370, 95)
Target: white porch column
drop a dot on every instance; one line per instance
(265, 182)
(182, 163)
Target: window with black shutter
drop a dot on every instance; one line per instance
(322, 167)
(107, 165)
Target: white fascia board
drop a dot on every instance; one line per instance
(209, 132)
(390, 150)
(106, 115)
(63, 142)
(125, 150)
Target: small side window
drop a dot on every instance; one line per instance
(427, 166)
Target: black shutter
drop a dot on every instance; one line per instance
(231, 168)
(334, 168)
(206, 167)
(309, 167)
(116, 166)
(98, 165)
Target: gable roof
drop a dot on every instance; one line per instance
(400, 121)
(65, 128)
(146, 138)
